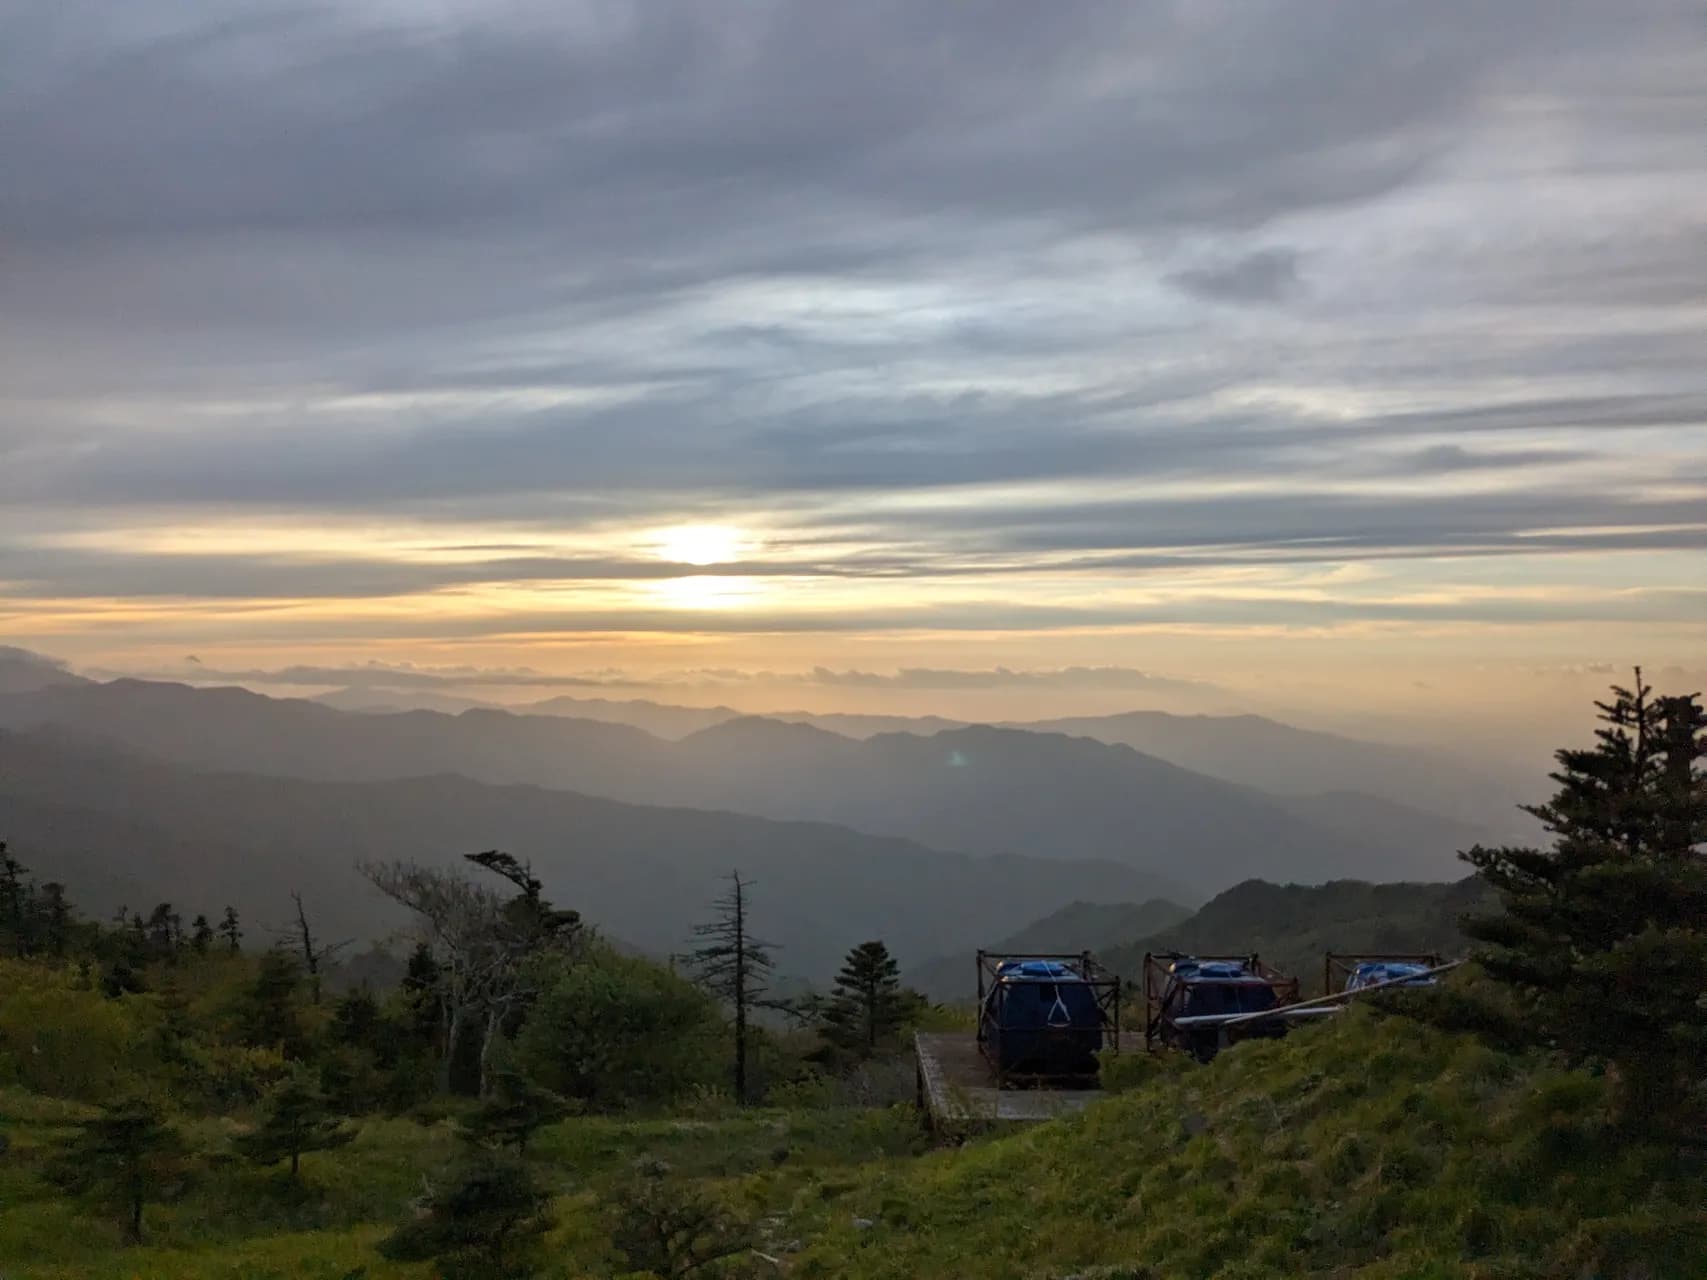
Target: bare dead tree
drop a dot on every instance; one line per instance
(314, 954)
(734, 966)
(484, 942)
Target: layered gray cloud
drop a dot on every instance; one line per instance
(1069, 292)
(1265, 275)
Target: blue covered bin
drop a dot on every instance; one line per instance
(1403, 972)
(1041, 1018)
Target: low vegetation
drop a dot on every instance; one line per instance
(1372, 1148)
(530, 1102)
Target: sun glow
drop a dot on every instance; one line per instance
(705, 591)
(701, 544)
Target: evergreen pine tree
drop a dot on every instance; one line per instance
(201, 935)
(231, 931)
(11, 900)
(484, 1222)
(161, 931)
(122, 1158)
(54, 913)
(421, 990)
(734, 966)
(868, 1005)
(1602, 941)
(297, 1120)
(514, 1110)
(356, 1019)
(268, 1009)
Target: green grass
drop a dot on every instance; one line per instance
(1370, 1148)
(236, 1222)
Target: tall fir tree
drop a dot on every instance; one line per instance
(231, 930)
(1600, 948)
(735, 966)
(868, 1005)
(267, 1009)
(201, 935)
(163, 928)
(11, 900)
(123, 1157)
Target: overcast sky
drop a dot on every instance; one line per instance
(1221, 342)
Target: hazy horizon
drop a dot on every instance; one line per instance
(1513, 734)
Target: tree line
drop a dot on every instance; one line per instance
(505, 999)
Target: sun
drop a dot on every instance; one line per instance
(701, 544)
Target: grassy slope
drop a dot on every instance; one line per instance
(1363, 1149)
(1360, 1149)
(238, 1223)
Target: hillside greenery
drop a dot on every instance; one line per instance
(1367, 1148)
(529, 1101)
(1370, 1148)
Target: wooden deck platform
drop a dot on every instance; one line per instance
(956, 1084)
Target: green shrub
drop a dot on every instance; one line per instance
(614, 1030)
(67, 1041)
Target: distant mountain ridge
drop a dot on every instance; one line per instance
(122, 830)
(1288, 761)
(22, 671)
(979, 789)
(1250, 750)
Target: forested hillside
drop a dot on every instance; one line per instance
(114, 827)
(190, 1093)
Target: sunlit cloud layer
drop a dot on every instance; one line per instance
(872, 338)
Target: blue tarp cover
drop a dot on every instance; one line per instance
(1372, 972)
(1219, 986)
(1041, 1018)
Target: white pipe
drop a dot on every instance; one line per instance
(1239, 1020)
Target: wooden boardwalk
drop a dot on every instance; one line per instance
(956, 1084)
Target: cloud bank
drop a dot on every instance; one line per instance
(374, 325)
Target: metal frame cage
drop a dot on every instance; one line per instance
(1103, 985)
(1338, 966)
(1163, 990)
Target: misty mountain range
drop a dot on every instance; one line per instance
(1252, 750)
(978, 789)
(633, 828)
(124, 831)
